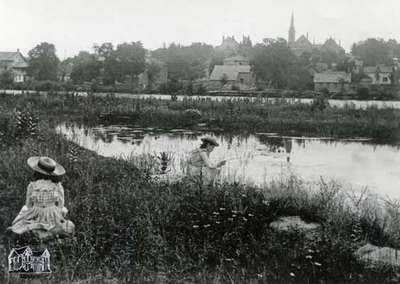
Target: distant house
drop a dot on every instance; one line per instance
(334, 82)
(236, 72)
(356, 64)
(380, 74)
(15, 63)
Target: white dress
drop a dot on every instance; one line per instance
(200, 168)
(43, 212)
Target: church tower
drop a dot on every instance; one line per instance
(292, 32)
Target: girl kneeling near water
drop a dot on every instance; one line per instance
(199, 166)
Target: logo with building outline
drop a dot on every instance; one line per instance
(25, 261)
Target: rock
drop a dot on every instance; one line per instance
(295, 223)
(378, 256)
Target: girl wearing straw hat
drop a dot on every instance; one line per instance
(199, 165)
(43, 213)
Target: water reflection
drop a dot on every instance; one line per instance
(255, 159)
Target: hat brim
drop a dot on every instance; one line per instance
(33, 164)
(211, 141)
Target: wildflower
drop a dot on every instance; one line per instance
(217, 222)
(195, 226)
(229, 259)
(308, 256)
(216, 213)
(244, 195)
(222, 209)
(259, 275)
(206, 226)
(233, 215)
(317, 264)
(291, 274)
(234, 212)
(250, 215)
(244, 219)
(266, 202)
(310, 250)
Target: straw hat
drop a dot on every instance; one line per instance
(210, 141)
(46, 166)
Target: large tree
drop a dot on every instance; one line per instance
(185, 62)
(6, 79)
(376, 51)
(111, 71)
(131, 58)
(274, 63)
(85, 68)
(43, 62)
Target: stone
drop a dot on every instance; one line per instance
(293, 223)
(378, 256)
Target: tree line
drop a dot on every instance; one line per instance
(273, 62)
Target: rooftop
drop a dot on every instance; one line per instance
(378, 68)
(14, 59)
(231, 72)
(332, 77)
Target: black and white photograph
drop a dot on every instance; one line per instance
(199, 141)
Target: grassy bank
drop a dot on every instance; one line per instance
(137, 229)
(239, 115)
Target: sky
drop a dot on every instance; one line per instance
(74, 25)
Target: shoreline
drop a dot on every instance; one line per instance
(223, 94)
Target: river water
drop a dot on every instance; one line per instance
(255, 159)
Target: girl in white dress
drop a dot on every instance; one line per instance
(44, 213)
(199, 166)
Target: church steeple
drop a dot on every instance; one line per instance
(292, 32)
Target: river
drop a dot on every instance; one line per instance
(256, 159)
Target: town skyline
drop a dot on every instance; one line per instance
(73, 26)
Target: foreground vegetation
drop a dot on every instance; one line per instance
(134, 228)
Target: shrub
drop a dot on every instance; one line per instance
(363, 93)
(319, 102)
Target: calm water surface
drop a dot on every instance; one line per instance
(259, 158)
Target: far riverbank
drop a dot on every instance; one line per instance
(263, 97)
